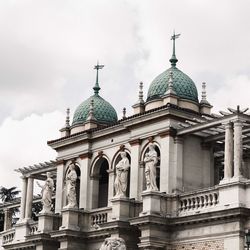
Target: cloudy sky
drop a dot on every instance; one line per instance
(48, 50)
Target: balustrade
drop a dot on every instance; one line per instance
(8, 236)
(198, 200)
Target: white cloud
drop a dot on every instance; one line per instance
(24, 143)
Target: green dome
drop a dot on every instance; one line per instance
(182, 85)
(103, 111)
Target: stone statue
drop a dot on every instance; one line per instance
(71, 187)
(121, 180)
(150, 161)
(113, 244)
(47, 191)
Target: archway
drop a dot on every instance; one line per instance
(100, 183)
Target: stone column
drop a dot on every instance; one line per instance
(167, 161)
(228, 155)
(84, 201)
(29, 198)
(134, 189)
(23, 198)
(238, 150)
(111, 185)
(7, 219)
(59, 186)
(178, 178)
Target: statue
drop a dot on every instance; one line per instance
(47, 190)
(71, 187)
(150, 161)
(121, 180)
(113, 244)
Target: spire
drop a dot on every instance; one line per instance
(124, 113)
(141, 93)
(67, 125)
(91, 116)
(97, 87)
(173, 59)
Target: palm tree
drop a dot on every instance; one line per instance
(8, 194)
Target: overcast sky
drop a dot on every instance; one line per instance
(48, 50)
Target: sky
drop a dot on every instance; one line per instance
(48, 50)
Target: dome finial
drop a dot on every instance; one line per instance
(173, 60)
(204, 92)
(97, 87)
(67, 123)
(141, 93)
(124, 113)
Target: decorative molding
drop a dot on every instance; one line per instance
(170, 132)
(86, 155)
(135, 142)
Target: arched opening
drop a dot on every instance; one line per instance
(103, 184)
(157, 149)
(117, 160)
(100, 183)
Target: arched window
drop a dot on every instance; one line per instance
(100, 183)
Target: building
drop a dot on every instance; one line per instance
(172, 176)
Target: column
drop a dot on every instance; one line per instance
(167, 162)
(84, 201)
(178, 178)
(59, 186)
(29, 198)
(135, 189)
(7, 219)
(111, 185)
(238, 148)
(23, 198)
(228, 154)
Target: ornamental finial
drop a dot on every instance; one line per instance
(141, 93)
(170, 89)
(204, 92)
(67, 123)
(97, 87)
(124, 113)
(91, 111)
(173, 59)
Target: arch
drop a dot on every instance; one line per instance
(100, 181)
(94, 166)
(143, 152)
(115, 161)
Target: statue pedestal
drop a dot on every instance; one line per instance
(151, 203)
(70, 217)
(21, 230)
(45, 222)
(120, 208)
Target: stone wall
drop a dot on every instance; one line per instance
(202, 245)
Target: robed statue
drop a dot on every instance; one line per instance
(71, 179)
(150, 160)
(113, 244)
(47, 191)
(121, 180)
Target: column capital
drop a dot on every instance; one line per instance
(228, 124)
(178, 139)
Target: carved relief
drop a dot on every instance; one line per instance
(113, 244)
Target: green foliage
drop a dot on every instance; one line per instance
(8, 194)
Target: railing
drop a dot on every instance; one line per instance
(8, 236)
(99, 216)
(33, 228)
(199, 200)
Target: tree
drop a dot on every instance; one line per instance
(8, 194)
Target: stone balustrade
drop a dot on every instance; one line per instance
(198, 200)
(99, 216)
(8, 236)
(33, 228)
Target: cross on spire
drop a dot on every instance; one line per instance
(173, 59)
(97, 87)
